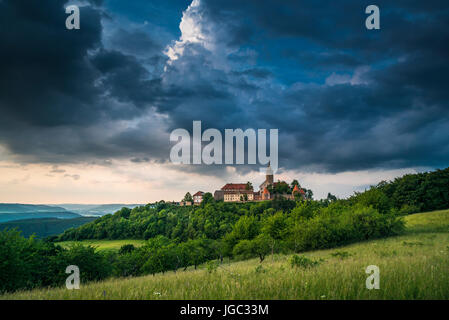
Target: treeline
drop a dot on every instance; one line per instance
(32, 263)
(213, 220)
(410, 193)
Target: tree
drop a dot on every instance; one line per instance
(295, 183)
(276, 227)
(207, 198)
(281, 187)
(261, 246)
(124, 212)
(331, 197)
(188, 197)
(246, 227)
(249, 186)
(309, 195)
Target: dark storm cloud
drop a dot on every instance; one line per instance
(137, 42)
(342, 97)
(396, 115)
(45, 79)
(57, 85)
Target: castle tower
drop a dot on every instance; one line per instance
(268, 178)
(269, 174)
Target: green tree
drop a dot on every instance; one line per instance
(295, 183)
(207, 198)
(276, 227)
(188, 197)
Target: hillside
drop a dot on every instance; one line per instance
(412, 266)
(97, 210)
(44, 227)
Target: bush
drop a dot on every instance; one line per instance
(303, 262)
(126, 248)
(212, 266)
(341, 254)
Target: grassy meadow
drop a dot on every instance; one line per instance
(104, 244)
(414, 265)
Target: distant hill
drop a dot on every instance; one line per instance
(96, 210)
(17, 211)
(24, 208)
(46, 226)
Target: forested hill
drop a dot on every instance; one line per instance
(410, 193)
(213, 220)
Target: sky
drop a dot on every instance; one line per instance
(86, 115)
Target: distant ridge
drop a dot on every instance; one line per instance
(24, 208)
(18, 211)
(96, 210)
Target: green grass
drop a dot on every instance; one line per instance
(412, 266)
(435, 221)
(103, 244)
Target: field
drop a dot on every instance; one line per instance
(104, 244)
(412, 266)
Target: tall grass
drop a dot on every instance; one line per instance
(412, 266)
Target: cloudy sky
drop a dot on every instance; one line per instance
(85, 115)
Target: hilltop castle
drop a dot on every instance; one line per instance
(234, 192)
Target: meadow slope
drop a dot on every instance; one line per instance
(414, 265)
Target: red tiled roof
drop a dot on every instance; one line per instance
(296, 189)
(234, 186)
(199, 193)
(265, 191)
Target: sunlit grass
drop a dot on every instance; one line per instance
(103, 244)
(412, 266)
(435, 221)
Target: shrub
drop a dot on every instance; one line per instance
(303, 262)
(260, 269)
(212, 266)
(126, 248)
(341, 254)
